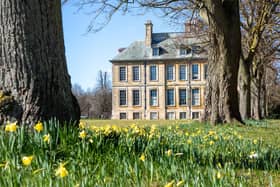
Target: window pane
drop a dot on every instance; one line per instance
(170, 97)
(153, 73)
(136, 97)
(135, 70)
(195, 115)
(182, 72)
(136, 115)
(153, 97)
(195, 72)
(156, 51)
(122, 115)
(122, 73)
(122, 97)
(170, 115)
(182, 97)
(183, 115)
(195, 97)
(153, 115)
(170, 72)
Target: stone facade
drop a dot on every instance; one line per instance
(185, 98)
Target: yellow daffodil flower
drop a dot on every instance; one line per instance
(12, 127)
(39, 126)
(170, 184)
(82, 125)
(219, 175)
(211, 142)
(46, 138)
(142, 157)
(26, 160)
(255, 141)
(180, 183)
(61, 171)
(82, 134)
(189, 141)
(169, 152)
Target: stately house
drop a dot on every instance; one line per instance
(162, 77)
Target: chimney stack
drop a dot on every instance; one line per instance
(149, 32)
(188, 26)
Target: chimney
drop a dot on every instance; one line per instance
(149, 32)
(188, 26)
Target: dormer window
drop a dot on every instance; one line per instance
(196, 49)
(185, 51)
(156, 51)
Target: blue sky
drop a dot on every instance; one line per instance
(87, 53)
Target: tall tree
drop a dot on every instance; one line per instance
(257, 18)
(33, 71)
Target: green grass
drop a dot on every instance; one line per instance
(109, 154)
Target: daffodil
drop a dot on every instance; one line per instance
(82, 125)
(61, 171)
(255, 141)
(26, 160)
(169, 152)
(189, 141)
(170, 184)
(219, 175)
(211, 142)
(12, 127)
(142, 157)
(39, 126)
(82, 134)
(180, 183)
(46, 138)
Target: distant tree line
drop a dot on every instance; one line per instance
(97, 102)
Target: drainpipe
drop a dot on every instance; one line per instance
(145, 89)
(190, 88)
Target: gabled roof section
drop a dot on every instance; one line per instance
(169, 45)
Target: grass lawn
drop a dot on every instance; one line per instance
(141, 153)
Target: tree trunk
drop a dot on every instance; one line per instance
(33, 68)
(257, 94)
(224, 54)
(244, 89)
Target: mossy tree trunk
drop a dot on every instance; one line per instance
(33, 68)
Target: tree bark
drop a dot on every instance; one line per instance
(224, 54)
(244, 89)
(33, 68)
(257, 86)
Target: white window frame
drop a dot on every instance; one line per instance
(192, 97)
(173, 72)
(120, 73)
(153, 113)
(198, 69)
(157, 72)
(167, 115)
(150, 97)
